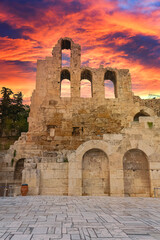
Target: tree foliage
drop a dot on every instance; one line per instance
(13, 114)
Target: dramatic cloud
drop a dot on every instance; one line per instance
(116, 33)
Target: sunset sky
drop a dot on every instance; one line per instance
(115, 33)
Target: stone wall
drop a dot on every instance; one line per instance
(57, 122)
(150, 103)
(139, 145)
(86, 146)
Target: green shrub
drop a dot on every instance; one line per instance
(65, 159)
(150, 124)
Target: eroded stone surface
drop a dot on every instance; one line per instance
(63, 130)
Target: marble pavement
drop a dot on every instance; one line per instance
(75, 218)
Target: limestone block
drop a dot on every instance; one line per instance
(146, 119)
(75, 170)
(149, 150)
(116, 161)
(54, 183)
(155, 165)
(116, 184)
(110, 137)
(116, 174)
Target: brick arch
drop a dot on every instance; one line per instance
(66, 43)
(86, 74)
(147, 111)
(130, 143)
(98, 144)
(65, 74)
(141, 113)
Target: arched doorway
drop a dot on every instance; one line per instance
(136, 174)
(18, 169)
(95, 173)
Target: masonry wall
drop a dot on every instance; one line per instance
(59, 122)
(150, 103)
(78, 146)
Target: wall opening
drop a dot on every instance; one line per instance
(95, 173)
(140, 114)
(110, 84)
(76, 131)
(86, 84)
(65, 84)
(51, 130)
(18, 169)
(136, 174)
(66, 53)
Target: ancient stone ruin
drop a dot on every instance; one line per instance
(85, 146)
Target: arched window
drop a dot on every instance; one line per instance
(65, 88)
(110, 84)
(86, 84)
(66, 53)
(140, 114)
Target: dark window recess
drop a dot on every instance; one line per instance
(140, 114)
(76, 131)
(50, 126)
(18, 169)
(66, 44)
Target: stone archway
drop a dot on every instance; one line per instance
(136, 174)
(75, 171)
(95, 173)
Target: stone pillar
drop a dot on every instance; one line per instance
(116, 175)
(31, 176)
(75, 83)
(124, 88)
(74, 176)
(75, 55)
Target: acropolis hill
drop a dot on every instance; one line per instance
(86, 146)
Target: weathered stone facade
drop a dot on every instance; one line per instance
(86, 146)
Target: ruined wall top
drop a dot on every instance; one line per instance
(51, 73)
(56, 121)
(67, 43)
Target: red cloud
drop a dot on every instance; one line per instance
(85, 26)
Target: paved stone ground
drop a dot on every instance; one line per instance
(74, 218)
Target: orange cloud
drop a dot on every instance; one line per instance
(108, 35)
(13, 77)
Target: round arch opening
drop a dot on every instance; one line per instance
(136, 174)
(140, 114)
(95, 173)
